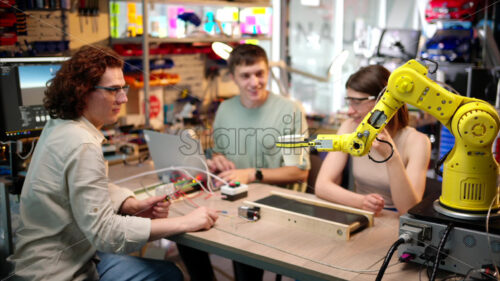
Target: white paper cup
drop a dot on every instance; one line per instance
(293, 156)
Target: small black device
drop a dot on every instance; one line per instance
(249, 213)
(258, 175)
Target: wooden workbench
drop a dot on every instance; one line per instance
(288, 250)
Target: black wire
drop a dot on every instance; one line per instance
(420, 270)
(469, 272)
(434, 62)
(439, 163)
(440, 248)
(386, 159)
(388, 257)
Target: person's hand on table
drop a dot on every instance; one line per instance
(202, 218)
(243, 176)
(373, 202)
(219, 163)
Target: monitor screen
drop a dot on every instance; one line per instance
(22, 87)
(399, 43)
(32, 82)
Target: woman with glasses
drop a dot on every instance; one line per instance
(397, 183)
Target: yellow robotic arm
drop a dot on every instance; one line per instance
(470, 170)
(359, 142)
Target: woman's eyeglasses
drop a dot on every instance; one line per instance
(351, 101)
(114, 90)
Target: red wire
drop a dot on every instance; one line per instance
(188, 199)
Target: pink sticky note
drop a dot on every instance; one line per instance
(250, 20)
(172, 12)
(173, 22)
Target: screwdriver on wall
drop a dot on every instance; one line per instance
(81, 14)
(95, 14)
(90, 13)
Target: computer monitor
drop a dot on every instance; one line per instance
(22, 85)
(482, 84)
(399, 43)
(175, 151)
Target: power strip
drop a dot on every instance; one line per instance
(464, 249)
(234, 191)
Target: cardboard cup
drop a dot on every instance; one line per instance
(293, 156)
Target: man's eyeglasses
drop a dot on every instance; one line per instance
(114, 90)
(351, 101)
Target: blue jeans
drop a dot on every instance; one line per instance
(122, 267)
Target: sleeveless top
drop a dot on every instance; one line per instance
(371, 177)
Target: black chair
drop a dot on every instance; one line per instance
(316, 162)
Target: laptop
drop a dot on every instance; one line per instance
(175, 151)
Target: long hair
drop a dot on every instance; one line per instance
(66, 93)
(372, 80)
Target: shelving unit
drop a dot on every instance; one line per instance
(146, 39)
(224, 39)
(241, 4)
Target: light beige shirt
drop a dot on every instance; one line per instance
(68, 208)
(247, 136)
(371, 177)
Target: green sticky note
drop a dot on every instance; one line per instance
(113, 21)
(114, 32)
(115, 8)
